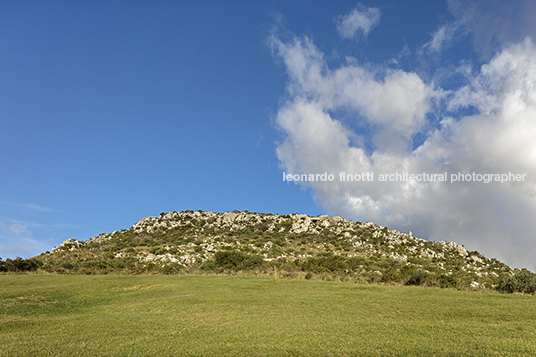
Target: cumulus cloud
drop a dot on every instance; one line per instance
(495, 24)
(360, 21)
(354, 119)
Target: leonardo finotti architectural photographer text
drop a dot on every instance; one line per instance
(406, 177)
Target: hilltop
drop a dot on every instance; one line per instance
(295, 245)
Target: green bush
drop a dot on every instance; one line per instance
(237, 260)
(324, 262)
(523, 281)
(419, 277)
(208, 265)
(158, 250)
(169, 269)
(67, 265)
(448, 281)
(19, 265)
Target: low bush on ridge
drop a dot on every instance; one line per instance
(522, 281)
(19, 265)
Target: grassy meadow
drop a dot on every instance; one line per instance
(171, 315)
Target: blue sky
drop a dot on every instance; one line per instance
(114, 111)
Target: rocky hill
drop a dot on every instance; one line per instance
(296, 245)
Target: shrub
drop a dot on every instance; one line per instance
(67, 266)
(280, 242)
(169, 269)
(325, 262)
(158, 250)
(448, 281)
(208, 265)
(419, 277)
(526, 281)
(523, 281)
(237, 260)
(18, 265)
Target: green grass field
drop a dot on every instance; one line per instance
(159, 315)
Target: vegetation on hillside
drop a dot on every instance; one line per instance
(299, 246)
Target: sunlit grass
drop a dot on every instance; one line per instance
(70, 315)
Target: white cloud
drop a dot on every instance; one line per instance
(493, 218)
(23, 247)
(15, 241)
(357, 22)
(495, 24)
(442, 37)
(34, 207)
(19, 230)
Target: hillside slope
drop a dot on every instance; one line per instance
(322, 247)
